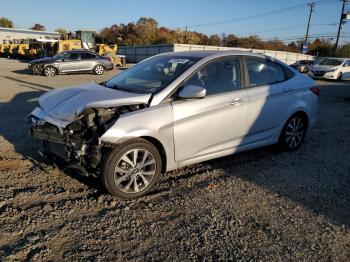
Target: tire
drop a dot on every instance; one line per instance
(293, 132)
(119, 172)
(340, 76)
(50, 71)
(99, 70)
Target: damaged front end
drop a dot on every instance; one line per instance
(37, 69)
(77, 142)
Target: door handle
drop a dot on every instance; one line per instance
(286, 90)
(237, 101)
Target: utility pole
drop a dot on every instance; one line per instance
(308, 25)
(340, 24)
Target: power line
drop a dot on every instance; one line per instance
(260, 15)
(288, 28)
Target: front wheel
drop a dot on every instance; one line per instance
(131, 169)
(293, 133)
(50, 71)
(99, 70)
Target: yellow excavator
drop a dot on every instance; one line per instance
(111, 51)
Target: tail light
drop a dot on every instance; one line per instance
(315, 90)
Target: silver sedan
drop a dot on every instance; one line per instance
(73, 61)
(174, 110)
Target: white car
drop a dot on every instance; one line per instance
(331, 68)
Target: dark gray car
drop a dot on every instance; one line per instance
(72, 61)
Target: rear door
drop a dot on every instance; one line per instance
(86, 61)
(270, 97)
(70, 62)
(216, 122)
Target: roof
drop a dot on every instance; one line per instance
(78, 50)
(206, 53)
(17, 30)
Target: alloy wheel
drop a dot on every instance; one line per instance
(295, 131)
(135, 170)
(99, 70)
(50, 71)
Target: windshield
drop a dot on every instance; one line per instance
(58, 56)
(151, 75)
(331, 62)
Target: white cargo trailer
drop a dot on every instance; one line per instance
(135, 54)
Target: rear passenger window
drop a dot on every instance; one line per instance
(264, 72)
(87, 56)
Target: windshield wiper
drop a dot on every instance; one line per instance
(116, 87)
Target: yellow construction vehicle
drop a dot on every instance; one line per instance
(13, 46)
(65, 45)
(111, 51)
(4, 49)
(22, 49)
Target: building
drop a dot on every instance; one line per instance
(135, 54)
(14, 33)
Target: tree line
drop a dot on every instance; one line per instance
(146, 31)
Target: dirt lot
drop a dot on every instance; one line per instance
(259, 205)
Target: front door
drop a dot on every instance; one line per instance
(70, 63)
(216, 122)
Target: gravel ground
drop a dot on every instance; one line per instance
(259, 205)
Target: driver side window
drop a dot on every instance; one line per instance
(219, 76)
(73, 57)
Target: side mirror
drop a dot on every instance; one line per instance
(64, 59)
(192, 92)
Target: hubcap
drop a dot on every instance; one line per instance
(50, 71)
(99, 70)
(294, 132)
(135, 170)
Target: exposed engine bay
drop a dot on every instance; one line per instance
(78, 142)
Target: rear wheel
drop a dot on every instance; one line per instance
(131, 169)
(99, 70)
(293, 132)
(50, 71)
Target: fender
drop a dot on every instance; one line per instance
(155, 122)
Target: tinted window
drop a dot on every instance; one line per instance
(331, 62)
(219, 76)
(264, 72)
(73, 56)
(347, 63)
(86, 56)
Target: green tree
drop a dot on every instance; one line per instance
(214, 40)
(5, 22)
(38, 27)
(63, 33)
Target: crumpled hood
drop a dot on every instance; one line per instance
(42, 60)
(66, 104)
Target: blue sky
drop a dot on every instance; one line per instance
(79, 14)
